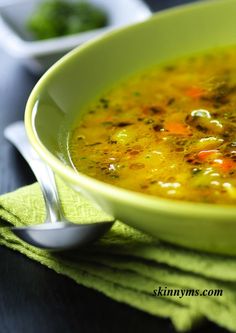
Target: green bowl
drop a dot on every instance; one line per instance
(84, 73)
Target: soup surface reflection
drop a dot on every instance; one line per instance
(169, 131)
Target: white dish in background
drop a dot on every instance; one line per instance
(41, 54)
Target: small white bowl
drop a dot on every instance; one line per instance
(39, 55)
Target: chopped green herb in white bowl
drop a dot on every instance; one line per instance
(39, 55)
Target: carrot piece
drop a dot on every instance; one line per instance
(176, 128)
(226, 164)
(223, 164)
(194, 92)
(205, 154)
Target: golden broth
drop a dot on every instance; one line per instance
(169, 131)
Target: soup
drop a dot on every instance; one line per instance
(169, 131)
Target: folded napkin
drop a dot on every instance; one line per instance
(128, 265)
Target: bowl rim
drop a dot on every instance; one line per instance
(154, 203)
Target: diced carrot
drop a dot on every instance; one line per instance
(176, 128)
(194, 92)
(223, 164)
(205, 154)
(226, 164)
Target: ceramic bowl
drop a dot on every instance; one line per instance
(40, 55)
(87, 71)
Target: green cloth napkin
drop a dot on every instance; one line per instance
(128, 265)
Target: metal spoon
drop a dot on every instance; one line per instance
(57, 233)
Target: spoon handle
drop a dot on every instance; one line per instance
(16, 134)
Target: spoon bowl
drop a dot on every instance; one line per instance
(57, 233)
(62, 235)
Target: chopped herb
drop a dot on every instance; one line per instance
(169, 68)
(170, 101)
(104, 102)
(55, 18)
(156, 109)
(93, 144)
(123, 124)
(201, 128)
(196, 171)
(157, 127)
